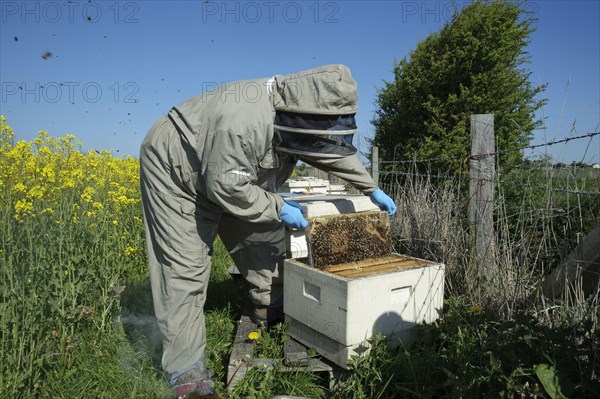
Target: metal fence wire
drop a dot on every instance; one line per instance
(465, 158)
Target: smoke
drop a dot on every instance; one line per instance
(141, 321)
(144, 335)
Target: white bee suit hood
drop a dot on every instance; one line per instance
(314, 112)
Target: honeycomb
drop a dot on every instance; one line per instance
(344, 238)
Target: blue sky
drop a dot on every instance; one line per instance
(117, 66)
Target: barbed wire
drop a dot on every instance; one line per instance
(530, 147)
(436, 176)
(433, 159)
(494, 181)
(478, 156)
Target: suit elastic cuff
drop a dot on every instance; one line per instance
(279, 203)
(369, 191)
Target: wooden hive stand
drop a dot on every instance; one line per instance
(296, 358)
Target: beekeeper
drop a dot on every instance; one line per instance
(213, 166)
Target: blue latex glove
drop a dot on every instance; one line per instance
(383, 201)
(291, 214)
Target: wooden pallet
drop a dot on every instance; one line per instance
(296, 358)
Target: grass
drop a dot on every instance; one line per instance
(76, 317)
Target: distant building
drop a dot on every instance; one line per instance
(596, 166)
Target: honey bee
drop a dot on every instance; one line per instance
(348, 238)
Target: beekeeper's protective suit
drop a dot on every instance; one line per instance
(212, 166)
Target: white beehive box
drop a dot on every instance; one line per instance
(336, 314)
(311, 185)
(321, 205)
(306, 185)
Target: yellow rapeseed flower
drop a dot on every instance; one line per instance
(19, 188)
(87, 194)
(30, 165)
(68, 183)
(36, 192)
(5, 130)
(130, 251)
(49, 173)
(124, 201)
(67, 141)
(22, 208)
(77, 174)
(44, 151)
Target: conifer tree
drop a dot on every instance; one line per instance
(474, 65)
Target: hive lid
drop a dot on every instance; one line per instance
(351, 237)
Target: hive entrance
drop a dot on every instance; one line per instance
(338, 239)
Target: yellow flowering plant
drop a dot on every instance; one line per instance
(71, 231)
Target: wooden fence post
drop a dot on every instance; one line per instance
(481, 206)
(375, 163)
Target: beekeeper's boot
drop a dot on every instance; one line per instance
(267, 315)
(195, 384)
